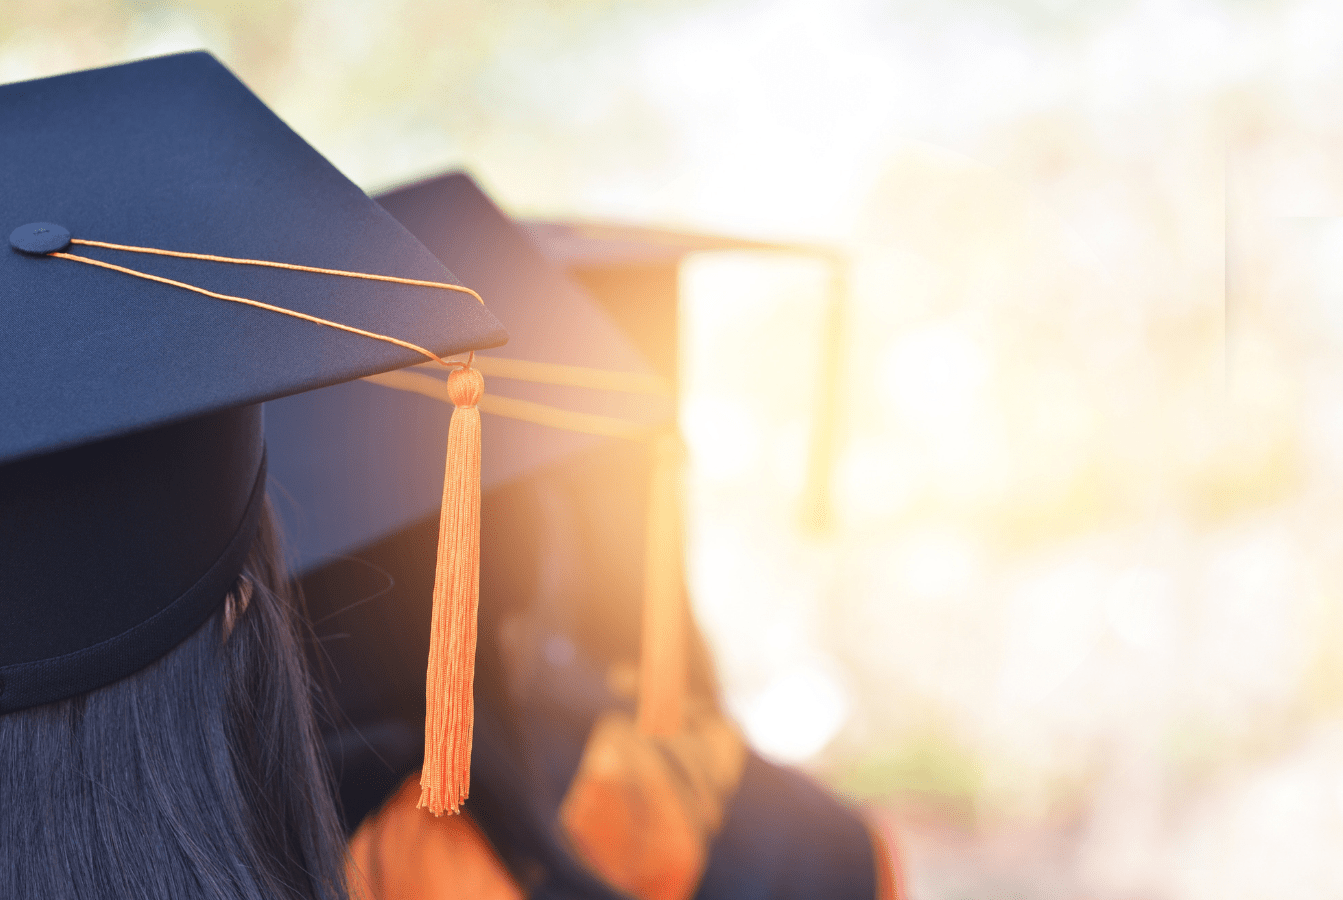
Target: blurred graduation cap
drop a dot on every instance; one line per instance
(635, 273)
(781, 835)
(132, 465)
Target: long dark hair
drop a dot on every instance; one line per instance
(197, 777)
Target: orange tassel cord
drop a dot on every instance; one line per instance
(446, 776)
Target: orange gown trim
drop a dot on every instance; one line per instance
(403, 853)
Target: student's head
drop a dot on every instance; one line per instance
(156, 738)
(195, 777)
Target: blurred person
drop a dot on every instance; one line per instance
(572, 793)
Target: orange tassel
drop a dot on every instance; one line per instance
(662, 657)
(446, 776)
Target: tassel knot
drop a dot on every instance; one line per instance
(465, 387)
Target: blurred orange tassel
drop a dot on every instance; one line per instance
(662, 658)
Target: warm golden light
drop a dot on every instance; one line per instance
(1077, 624)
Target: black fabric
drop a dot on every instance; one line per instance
(522, 761)
(175, 153)
(786, 838)
(370, 614)
(114, 552)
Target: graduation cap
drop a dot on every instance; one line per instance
(634, 271)
(780, 834)
(177, 257)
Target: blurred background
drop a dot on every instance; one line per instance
(1075, 627)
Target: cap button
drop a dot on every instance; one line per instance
(39, 238)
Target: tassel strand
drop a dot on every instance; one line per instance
(446, 777)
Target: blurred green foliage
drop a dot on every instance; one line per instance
(929, 768)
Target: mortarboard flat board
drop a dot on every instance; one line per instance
(131, 454)
(634, 272)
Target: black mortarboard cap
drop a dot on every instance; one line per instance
(634, 271)
(132, 465)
